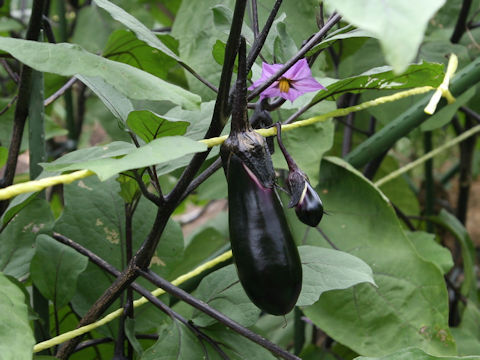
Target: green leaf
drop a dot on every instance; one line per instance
(3, 155)
(445, 115)
(346, 32)
(16, 336)
(236, 347)
(142, 32)
(150, 126)
(118, 104)
(92, 28)
(416, 354)
(431, 250)
(457, 229)
(283, 45)
(328, 269)
(123, 46)
(399, 26)
(467, 334)
(94, 217)
(222, 291)
(158, 151)
(175, 342)
(18, 238)
(68, 60)
(55, 268)
(410, 303)
(383, 78)
(398, 191)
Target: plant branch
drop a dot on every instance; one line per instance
(60, 91)
(221, 110)
(255, 18)
(260, 38)
(13, 75)
(334, 19)
(461, 25)
(21, 110)
(200, 305)
(217, 164)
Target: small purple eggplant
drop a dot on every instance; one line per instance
(307, 203)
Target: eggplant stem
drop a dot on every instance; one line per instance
(292, 165)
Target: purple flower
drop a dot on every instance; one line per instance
(296, 81)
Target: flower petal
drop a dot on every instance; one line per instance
(307, 85)
(291, 95)
(268, 70)
(299, 70)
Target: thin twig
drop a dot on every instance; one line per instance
(260, 38)
(473, 114)
(9, 105)
(13, 75)
(461, 25)
(60, 91)
(255, 19)
(327, 239)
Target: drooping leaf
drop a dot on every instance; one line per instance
(18, 238)
(346, 32)
(409, 306)
(94, 217)
(16, 335)
(431, 250)
(69, 60)
(398, 25)
(142, 32)
(118, 104)
(158, 151)
(327, 269)
(55, 268)
(412, 353)
(150, 126)
(383, 78)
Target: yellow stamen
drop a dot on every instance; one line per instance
(284, 85)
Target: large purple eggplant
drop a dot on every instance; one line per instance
(264, 251)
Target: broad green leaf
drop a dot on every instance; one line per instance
(328, 269)
(398, 191)
(142, 32)
(17, 239)
(398, 25)
(445, 115)
(431, 250)
(150, 126)
(467, 334)
(55, 268)
(222, 291)
(236, 347)
(118, 104)
(94, 217)
(92, 29)
(410, 305)
(123, 46)
(203, 243)
(7, 25)
(457, 229)
(158, 151)
(16, 335)
(412, 353)
(3, 155)
(383, 78)
(69, 60)
(175, 342)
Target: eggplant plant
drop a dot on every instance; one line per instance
(120, 238)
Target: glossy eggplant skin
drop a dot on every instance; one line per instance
(265, 253)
